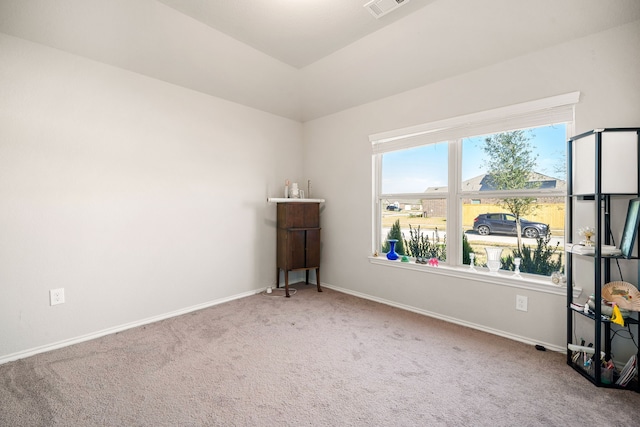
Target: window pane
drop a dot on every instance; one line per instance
(522, 159)
(415, 170)
(489, 224)
(419, 224)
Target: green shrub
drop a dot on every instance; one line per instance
(542, 259)
(466, 249)
(394, 233)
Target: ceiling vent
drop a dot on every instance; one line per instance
(380, 8)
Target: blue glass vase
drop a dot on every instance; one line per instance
(392, 255)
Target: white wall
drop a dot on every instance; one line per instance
(136, 196)
(603, 67)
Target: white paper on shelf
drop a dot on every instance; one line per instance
(575, 248)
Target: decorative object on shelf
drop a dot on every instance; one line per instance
(624, 294)
(606, 308)
(557, 278)
(375, 253)
(493, 258)
(286, 189)
(516, 264)
(404, 258)
(588, 233)
(433, 262)
(616, 317)
(392, 255)
(472, 257)
(294, 193)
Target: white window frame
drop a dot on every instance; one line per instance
(541, 112)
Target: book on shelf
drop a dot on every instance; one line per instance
(628, 372)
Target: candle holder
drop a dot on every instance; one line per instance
(516, 264)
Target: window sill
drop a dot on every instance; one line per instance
(481, 274)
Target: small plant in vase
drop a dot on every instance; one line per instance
(423, 249)
(416, 245)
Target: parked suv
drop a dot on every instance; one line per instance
(488, 223)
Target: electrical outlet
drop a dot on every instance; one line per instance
(56, 296)
(521, 303)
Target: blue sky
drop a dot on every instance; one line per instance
(415, 169)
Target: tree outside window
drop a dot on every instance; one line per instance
(517, 172)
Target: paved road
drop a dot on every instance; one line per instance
(472, 236)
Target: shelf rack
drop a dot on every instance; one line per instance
(602, 194)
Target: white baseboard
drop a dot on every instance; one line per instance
(492, 331)
(120, 328)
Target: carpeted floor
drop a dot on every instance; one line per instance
(316, 359)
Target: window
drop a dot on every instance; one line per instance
(495, 178)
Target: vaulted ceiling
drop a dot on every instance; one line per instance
(296, 32)
(304, 59)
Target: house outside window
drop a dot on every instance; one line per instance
(449, 175)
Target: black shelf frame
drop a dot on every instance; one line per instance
(602, 263)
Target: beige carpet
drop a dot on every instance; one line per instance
(316, 359)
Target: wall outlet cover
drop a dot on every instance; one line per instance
(56, 296)
(521, 303)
